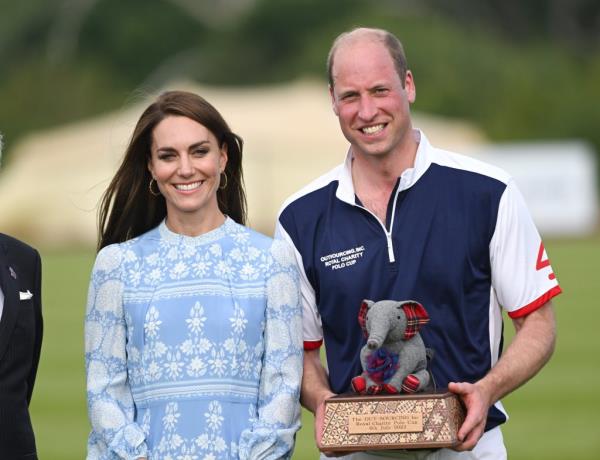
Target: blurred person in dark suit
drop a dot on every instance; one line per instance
(20, 344)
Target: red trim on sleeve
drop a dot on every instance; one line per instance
(312, 345)
(537, 303)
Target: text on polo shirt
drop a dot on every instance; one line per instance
(343, 259)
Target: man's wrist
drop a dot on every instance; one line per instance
(486, 389)
(321, 398)
(326, 396)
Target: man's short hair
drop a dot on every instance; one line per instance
(389, 40)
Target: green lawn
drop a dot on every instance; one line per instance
(553, 417)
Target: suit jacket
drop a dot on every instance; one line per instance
(20, 345)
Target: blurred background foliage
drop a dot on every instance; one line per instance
(518, 69)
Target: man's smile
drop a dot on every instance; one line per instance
(373, 129)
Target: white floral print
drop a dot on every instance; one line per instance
(175, 346)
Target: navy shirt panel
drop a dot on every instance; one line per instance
(441, 230)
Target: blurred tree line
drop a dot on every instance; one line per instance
(517, 68)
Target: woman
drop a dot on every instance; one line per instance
(193, 327)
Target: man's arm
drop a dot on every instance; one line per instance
(531, 348)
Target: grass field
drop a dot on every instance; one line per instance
(555, 416)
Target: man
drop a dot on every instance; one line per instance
(20, 344)
(401, 219)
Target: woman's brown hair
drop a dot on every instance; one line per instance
(127, 208)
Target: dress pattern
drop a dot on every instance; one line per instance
(193, 347)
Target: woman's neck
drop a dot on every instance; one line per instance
(195, 225)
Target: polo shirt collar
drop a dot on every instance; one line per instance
(345, 190)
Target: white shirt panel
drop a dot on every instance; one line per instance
(519, 275)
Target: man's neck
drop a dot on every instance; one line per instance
(374, 177)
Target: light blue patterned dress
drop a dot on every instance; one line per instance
(193, 347)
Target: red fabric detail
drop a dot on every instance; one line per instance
(539, 263)
(387, 388)
(537, 303)
(416, 317)
(381, 365)
(312, 345)
(411, 383)
(362, 317)
(359, 384)
(374, 389)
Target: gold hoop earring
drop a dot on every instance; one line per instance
(150, 188)
(222, 187)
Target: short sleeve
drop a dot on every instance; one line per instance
(522, 277)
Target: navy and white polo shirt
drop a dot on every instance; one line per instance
(459, 239)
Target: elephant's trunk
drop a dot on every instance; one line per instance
(377, 334)
(373, 344)
(379, 327)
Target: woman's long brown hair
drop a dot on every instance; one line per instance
(127, 208)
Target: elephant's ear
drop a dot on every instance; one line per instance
(362, 315)
(416, 317)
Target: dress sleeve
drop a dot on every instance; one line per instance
(311, 320)
(272, 433)
(110, 403)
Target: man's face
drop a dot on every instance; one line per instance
(369, 100)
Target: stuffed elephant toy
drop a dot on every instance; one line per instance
(394, 358)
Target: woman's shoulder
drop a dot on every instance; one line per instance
(244, 234)
(152, 235)
(110, 256)
(276, 247)
(114, 255)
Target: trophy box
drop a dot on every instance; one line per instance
(391, 422)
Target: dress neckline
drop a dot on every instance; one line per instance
(205, 238)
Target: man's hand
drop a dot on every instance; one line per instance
(319, 420)
(529, 350)
(477, 403)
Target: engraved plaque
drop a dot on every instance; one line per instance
(402, 422)
(380, 422)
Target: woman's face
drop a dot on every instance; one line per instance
(186, 161)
